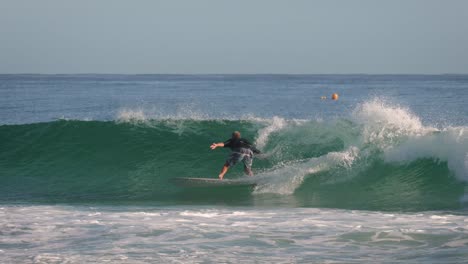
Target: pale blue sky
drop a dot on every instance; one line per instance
(216, 36)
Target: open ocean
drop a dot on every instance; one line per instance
(87, 164)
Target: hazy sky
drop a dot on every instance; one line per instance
(216, 36)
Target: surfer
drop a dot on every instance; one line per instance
(242, 150)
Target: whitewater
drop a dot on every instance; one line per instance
(87, 163)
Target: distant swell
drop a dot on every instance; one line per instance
(380, 157)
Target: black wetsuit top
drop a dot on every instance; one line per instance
(237, 143)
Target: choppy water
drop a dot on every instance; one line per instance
(86, 163)
(64, 234)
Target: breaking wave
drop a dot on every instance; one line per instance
(379, 157)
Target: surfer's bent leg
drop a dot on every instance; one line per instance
(248, 165)
(224, 170)
(248, 171)
(233, 159)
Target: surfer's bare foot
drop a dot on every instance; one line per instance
(221, 176)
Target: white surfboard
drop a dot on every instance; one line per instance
(211, 182)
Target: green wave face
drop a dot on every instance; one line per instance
(307, 163)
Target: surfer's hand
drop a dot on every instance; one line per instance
(213, 146)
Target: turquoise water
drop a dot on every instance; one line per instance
(378, 176)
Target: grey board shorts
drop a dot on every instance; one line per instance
(243, 154)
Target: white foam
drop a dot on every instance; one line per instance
(139, 114)
(449, 145)
(275, 125)
(199, 214)
(384, 124)
(185, 235)
(384, 128)
(188, 112)
(129, 115)
(403, 137)
(286, 179)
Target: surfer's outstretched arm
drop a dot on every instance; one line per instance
(216, 145)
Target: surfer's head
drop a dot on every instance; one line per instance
(236, 134)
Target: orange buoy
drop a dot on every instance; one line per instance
(334, 96)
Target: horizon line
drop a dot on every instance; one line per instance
(90, 73)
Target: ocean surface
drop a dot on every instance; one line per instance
(88, 162)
